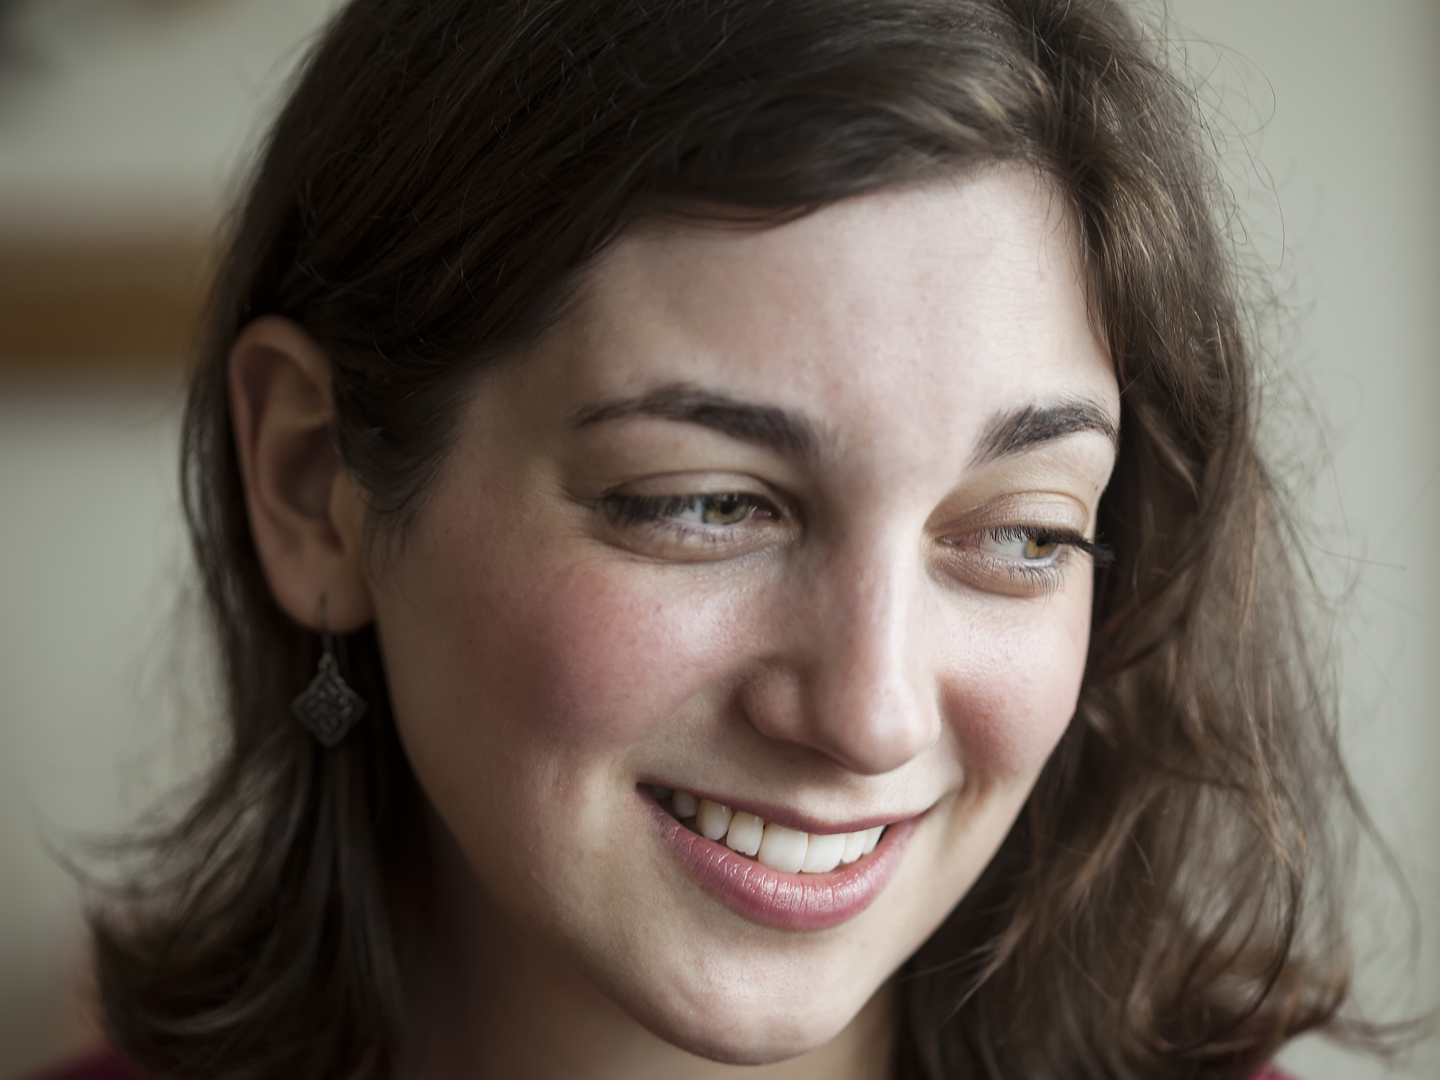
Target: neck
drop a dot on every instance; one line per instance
(499, 1002)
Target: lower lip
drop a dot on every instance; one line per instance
(775, 898)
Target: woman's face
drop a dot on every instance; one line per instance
(790, 520)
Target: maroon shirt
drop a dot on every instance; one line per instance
(110, 1066)
(103, 1065)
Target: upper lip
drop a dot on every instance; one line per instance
(772, 813)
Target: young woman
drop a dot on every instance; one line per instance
(736, 539)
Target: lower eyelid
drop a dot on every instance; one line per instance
(991, 572)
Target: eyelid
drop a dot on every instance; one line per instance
(1051, 510)
(689, 482)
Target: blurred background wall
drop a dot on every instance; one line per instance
(123, 124)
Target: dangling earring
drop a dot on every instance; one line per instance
(328, 707)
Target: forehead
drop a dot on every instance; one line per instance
(941, 303)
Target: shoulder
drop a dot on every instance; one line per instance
(103, 1065)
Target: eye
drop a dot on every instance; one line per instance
(1027, 544)
(727, 509)
(716, 510)
(1018, 560)
(694, 525)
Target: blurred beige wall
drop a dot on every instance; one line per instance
(123, 120)
(131, 114)
(1339, 104)
(125, 114)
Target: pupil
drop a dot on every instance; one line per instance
(1039, 546)
(724, 508)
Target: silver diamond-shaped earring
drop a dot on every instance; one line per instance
(329, 707)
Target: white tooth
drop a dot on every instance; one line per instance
(712, 819)
(782, 848)
(745, 832)
(872, 837)
(854, 846)
(824, 852)
(684, 804)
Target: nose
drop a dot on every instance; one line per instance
(856, 682)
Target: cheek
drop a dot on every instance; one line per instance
(542, 660)
(598, 656)
(1014, 686)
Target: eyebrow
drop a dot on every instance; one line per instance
(765, 425)
(1019, 430)
(1006, 435)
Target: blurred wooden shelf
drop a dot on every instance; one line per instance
(109, 305)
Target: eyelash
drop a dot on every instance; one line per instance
(662, 510)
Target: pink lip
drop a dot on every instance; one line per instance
(774, 898)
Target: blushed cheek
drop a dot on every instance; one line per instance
(596, 656)
(1013, 691)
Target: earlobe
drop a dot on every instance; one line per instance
(306, 510)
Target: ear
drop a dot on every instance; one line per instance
(307, 513)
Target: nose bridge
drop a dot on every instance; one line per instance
(868, 701)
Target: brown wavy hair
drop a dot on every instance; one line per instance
(1163, 907)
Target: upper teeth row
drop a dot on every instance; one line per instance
(774, 845)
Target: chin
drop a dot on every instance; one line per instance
(735, 1040)
(738, 1026)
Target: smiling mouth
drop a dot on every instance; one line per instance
(776, 846)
